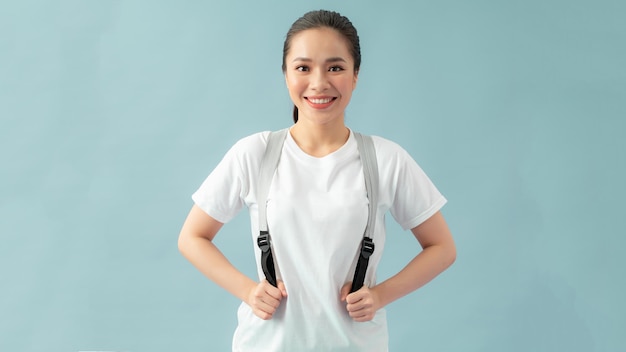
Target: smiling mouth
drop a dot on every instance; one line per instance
(320, 100)
(320, 103)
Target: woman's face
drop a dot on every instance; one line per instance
(320, 75)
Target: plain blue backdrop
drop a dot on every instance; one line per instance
(113, 112)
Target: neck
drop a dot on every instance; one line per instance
(319, 140)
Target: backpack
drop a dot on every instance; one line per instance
(268, 167)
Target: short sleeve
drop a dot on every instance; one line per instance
(220, 195)
(414, 198)
(230, 187)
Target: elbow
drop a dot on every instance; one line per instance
(182, 244)
(450, 256)
(446, 254)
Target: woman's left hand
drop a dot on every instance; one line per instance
(362, 304)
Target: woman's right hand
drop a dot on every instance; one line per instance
(264, 298)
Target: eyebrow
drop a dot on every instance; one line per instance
(331, 59)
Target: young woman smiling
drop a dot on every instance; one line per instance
(317, 208)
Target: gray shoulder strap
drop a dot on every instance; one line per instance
(270, 160)
(367, 153)
(269, 163)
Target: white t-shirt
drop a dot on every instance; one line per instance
(317, 211)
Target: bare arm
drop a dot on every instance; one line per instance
(195, 242)
(439, 252)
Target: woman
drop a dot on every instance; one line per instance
(317, 208)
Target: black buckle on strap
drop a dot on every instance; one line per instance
(267, 259)
(263, 241)
(367, 247)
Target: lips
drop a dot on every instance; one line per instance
(320, 102)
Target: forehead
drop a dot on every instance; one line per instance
(319, 42)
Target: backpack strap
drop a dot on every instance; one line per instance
(268, 168)
(269, 163)
(367, 153)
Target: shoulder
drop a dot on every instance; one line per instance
(246, 154)
(251, 146)
(252, 142)
(387, 150)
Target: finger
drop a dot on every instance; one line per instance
(345, 290)
(358, 295)
(354, 307)
(262, 309)
(363, 318)
(354, 297)
(262, 303)
(268, 289)
(274, 292)
(282, 289)
(267, 307)
(261, 295)
(363, 304)
(262, 314)
(358, 315)
(363, 314)
(266, 303)
(271, 301)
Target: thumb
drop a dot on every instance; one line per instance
(281, 287)
(345, 290)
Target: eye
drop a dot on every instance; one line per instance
(302, 68)
(335, 69)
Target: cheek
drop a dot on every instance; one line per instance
(347, 85)
(293, 83)
(295, 89)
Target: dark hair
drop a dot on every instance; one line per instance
(329, 19)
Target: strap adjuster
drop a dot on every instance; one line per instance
(263, 241)
(267, 259)
(367, 247)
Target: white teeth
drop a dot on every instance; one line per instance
(321, 101)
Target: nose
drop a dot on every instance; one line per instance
(319, 81)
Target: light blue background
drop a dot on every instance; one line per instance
(113, 112)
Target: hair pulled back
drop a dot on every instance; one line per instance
(328, 19)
